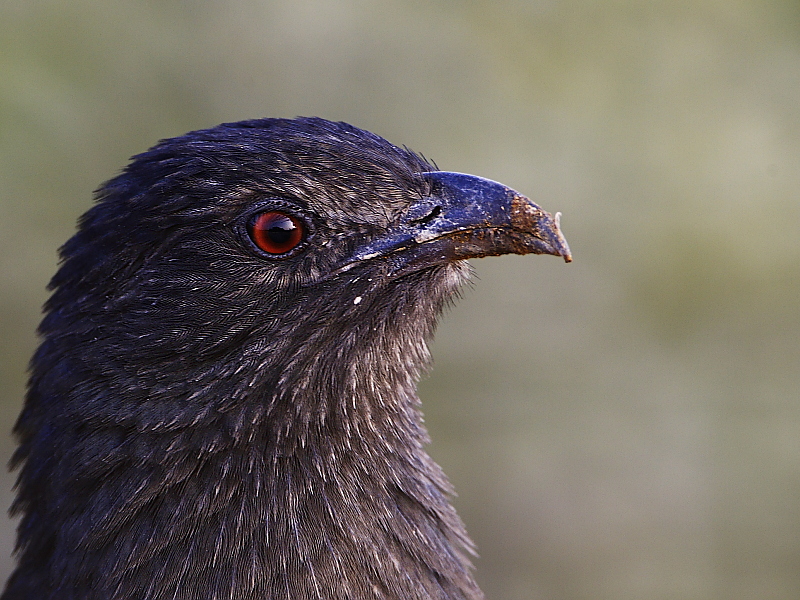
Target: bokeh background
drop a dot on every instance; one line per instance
(624, 427)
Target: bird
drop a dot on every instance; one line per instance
(223, 403)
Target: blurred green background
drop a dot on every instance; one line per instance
(624, 427)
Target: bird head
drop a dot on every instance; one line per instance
(254, 258)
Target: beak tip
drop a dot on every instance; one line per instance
(561, 241)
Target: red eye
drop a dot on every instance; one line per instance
(275, 232)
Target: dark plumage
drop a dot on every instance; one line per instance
(207, 419)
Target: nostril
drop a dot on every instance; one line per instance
(435, 212)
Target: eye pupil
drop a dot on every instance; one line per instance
(276, 232)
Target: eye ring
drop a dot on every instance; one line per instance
(276, 233)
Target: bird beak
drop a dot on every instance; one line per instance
(466, 217)
(486, 218)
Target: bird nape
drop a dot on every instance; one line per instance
(223, 404)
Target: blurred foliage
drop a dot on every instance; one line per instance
(627, 426)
